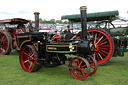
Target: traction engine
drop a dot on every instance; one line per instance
(43, 48)
(8, 29)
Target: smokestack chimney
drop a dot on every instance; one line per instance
(36, 19)
(83, 21)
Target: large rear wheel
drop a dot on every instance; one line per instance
(104, 45)
(29, 59)
(5, 43)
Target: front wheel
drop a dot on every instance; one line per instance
(29, 59)
(79, 68)
(93, 65)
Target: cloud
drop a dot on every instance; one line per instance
(23, 11)
(6, 13)
(54, 9)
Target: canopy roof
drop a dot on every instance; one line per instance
(98, 16)
(14, 21)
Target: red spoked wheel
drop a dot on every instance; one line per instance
(93, 65)
(104, 45)
(79, 68)
(5, 43)
(29, 59)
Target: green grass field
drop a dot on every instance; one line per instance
(115, 72)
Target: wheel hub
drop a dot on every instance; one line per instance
(96, 48)
(78, 68)
(30, 59)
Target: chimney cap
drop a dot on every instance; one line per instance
(36, 13)
(83, 8)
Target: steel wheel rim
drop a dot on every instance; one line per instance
(82, 71)
(3, 43)
(103, 46)
(93, 65)
(27, 59)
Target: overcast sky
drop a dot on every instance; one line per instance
(54, 9)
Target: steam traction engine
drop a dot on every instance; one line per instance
(8, 29)
(108, 39)
(40, 48)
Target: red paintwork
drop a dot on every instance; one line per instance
(3, 47)
(93, 66)
(82, 70)
(103, 46)
(57, 37)
(14, 21)
(27, 59)
(45, 28)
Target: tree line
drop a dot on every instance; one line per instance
(52, 21)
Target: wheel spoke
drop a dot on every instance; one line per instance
(4, 47)
(104, 46)
(99, 40)
(2, 38)
(104, 51)
(30, 65)
(30, 51)
(95, 38)
(26, 61)
(92, 67)
(91, 61)
(98, 36)
(5, 42)
(103, 43)
(97, 56)
(82, 73)
(103, 40)
(83, 66)
(100, 56)
(26, 54)
(74, 63)
(94, 55)
(80, 62)
(83, 70)
(79, 73)
(5, 39)
(33, 63)
(32, 56)
(76, 73)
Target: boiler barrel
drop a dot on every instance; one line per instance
(119, 31)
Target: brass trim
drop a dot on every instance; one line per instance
(25, 41)
(18, 48)
(83, 8)
(36, 46)
(60, 46)
(22, 36)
